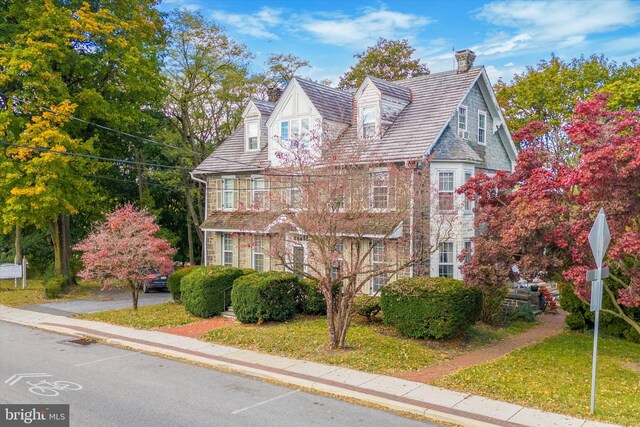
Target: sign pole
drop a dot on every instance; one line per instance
(594, 362)
(599, 239)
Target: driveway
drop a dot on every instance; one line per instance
(116, 299)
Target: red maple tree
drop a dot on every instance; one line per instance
(538, 218)
(121, 251)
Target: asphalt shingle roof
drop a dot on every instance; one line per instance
(332, 104)
(434, 98)
(391, 89)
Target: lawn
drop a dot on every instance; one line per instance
(373, 347)
(555, 375)
(34, 294)
(149, 317)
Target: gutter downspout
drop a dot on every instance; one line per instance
(206, 211)
(411, 211)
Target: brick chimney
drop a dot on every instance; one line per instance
(274, 93)
(465, 60)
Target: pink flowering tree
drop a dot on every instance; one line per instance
(123, 249)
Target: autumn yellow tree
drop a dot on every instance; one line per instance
(42, 185)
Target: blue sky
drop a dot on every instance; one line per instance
(507, 35)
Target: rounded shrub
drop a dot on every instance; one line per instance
(367, 306)
(430, 307)
(204, 290)
(262, 297)
(173, 281)
(309, 299)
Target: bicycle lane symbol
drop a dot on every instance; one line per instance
(43, 387)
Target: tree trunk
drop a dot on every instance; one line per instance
(192, 259)
(67, 248)
(135, 292)
(18, 244)
(61, 246)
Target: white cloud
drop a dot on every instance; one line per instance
(554, 23)
(363, 30)
(257, 24)
(505, 72)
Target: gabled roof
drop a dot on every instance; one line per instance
(265, 107)
(435, 99)
(391, 89)
(332, 104)
(231, 156)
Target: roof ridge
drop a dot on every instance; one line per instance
(440, 73)
(323, 86)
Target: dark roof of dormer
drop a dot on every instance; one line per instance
(332, 104)
(391, 89)
(265, 107)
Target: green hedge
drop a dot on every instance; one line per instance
(53, 286)
(581, 317)
(202, 290)
(173, 281)
(262, 297)
(309, 299)
(367, 306)
(430, 307)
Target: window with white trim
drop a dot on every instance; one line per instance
(227, 250)
(228, 193)
(257, 254)
(379, 189)
(463, 131)
(296, 132)
(378, 261)
(298, 259)
(294, 197)
(445, 264)
(336, 268)
(468, 204)
(252, 136)
(445, 191)
(368, 122)
(482, 128)
(258, 193)
(284, 131)
(468, 247)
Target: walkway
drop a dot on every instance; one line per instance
(194, 330)
(388, 392)
(552, 324)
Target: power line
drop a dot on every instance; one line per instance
(107, 128)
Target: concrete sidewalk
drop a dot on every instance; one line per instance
(393, 393)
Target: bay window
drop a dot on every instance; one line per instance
(445, 191)
(445, 254)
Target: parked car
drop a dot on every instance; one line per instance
(154, 280)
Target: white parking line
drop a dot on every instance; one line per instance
(106, 358)
(265, 402)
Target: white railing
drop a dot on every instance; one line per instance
(15, 271)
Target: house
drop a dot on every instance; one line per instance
(450, 118)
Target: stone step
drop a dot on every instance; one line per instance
(229, 313)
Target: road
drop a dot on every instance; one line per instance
(127, 388)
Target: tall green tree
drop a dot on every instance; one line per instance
(388, 60)
(209, 83)
(548, 93)
(102, 58)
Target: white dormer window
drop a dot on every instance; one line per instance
(296, 131)
(253, 142)
(463, 131)
(482, 127)
(368, 122)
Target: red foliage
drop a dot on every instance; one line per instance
(121, 249)
(539, 217)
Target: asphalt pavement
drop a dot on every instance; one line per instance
(109, 386)
(116, 300)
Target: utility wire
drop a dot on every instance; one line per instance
(107, 128)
